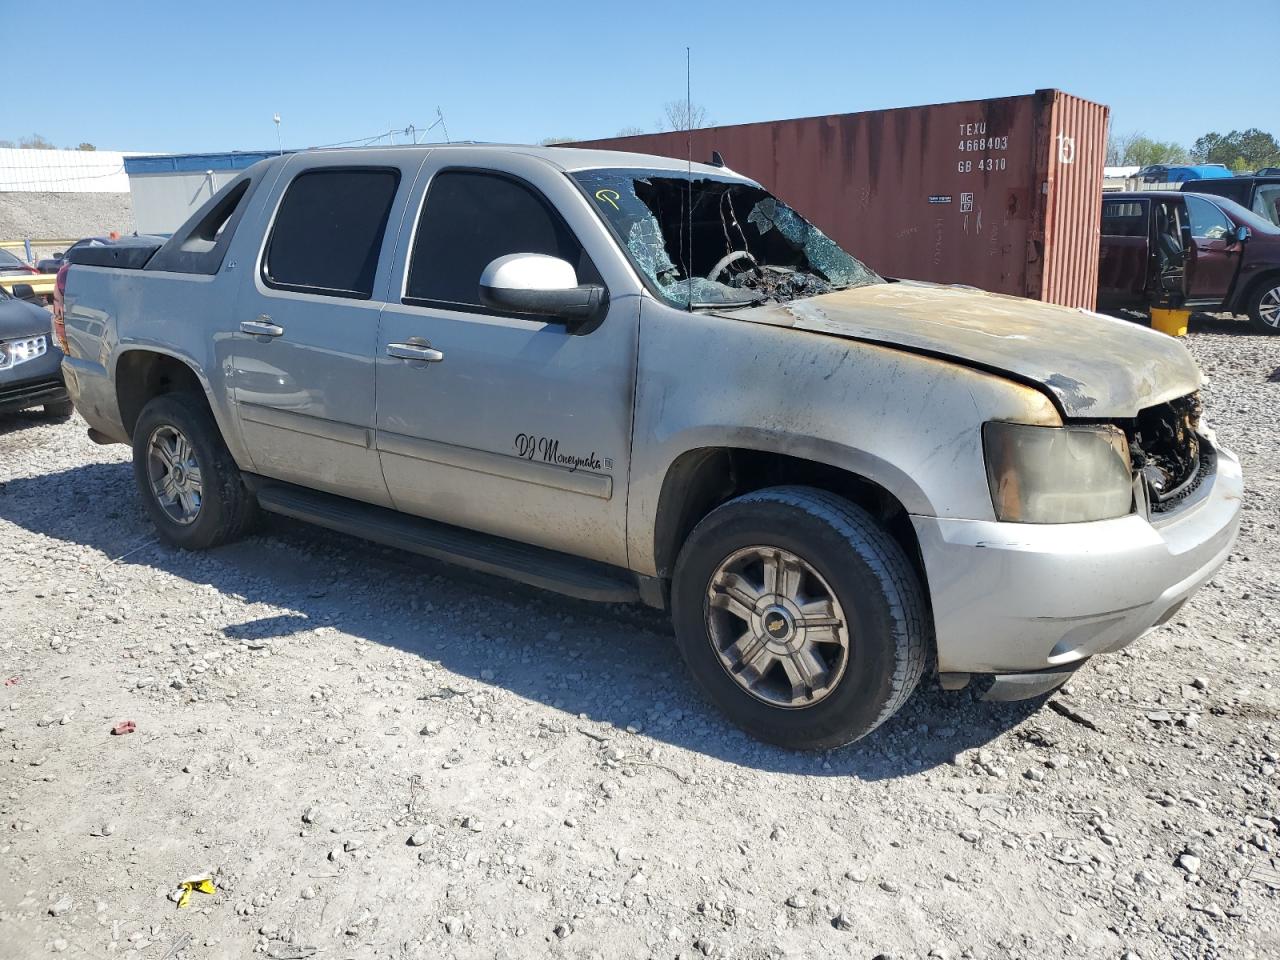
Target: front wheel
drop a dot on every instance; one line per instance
(1264, 307)
(800, 617)
(189, 482)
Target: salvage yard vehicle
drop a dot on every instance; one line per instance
(30, 364)
(1260, 193)
(608, 375)
(1189, 250)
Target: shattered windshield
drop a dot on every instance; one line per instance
(740, 246)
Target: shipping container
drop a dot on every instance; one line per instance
(1000, 194)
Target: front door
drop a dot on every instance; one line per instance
(1213, 256)
(511, 425)
(306, 327)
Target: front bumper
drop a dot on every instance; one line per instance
(32, 383)
(1021, 597)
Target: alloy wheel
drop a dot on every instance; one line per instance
(777, 626)
(174, 473)
(1269, 308)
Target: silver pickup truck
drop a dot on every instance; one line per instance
(627, 379)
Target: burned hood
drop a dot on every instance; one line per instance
(1094, 367)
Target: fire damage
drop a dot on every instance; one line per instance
(738, 245)
(1166, 450)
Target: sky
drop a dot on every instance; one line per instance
(186, 77)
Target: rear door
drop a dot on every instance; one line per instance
(516, 427)
(1124, 255)
(306, 324)
(1214, 254)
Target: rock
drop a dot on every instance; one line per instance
(797, 901)
(63, 905)
(562, 930)
(1035, 774)
(970, 836)
(843, 922)
(888, 886)
(1188, 862)
(308, 893)
(418, 838)
(313, 815)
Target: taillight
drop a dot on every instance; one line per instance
(59, 323)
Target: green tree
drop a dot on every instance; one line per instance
(86, 146)
(629, 132)
(1241, 150)
(552, 141)
(1143, 151)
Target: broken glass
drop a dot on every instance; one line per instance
(686, 238)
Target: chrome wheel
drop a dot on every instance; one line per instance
(174, 473)
(1269, 308)
(777, 626)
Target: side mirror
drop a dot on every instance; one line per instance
(1243, 233)
(24, 291)
(534, 283)
(58, 255)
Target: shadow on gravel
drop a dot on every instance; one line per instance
(25, 420)
(613, 663)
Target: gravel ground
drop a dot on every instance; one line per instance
(378, 756)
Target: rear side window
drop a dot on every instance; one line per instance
(468, 221)
(328, 232)
(1124, 218)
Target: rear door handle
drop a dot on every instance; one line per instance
(262, 327)
(415, 348)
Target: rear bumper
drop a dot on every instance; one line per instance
(1021, 598)
(94, 395)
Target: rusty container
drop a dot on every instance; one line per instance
(999, 194)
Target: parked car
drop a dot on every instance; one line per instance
(30, 374)
(1261, 194)
(1164, 173)
(587, 383)
(1189, 250)
(12, 265)
(52, 264)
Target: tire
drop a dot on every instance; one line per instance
(1264, 307)
(59, 409)
(845, 555)
(224, 508)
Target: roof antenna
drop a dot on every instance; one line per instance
(688, 127)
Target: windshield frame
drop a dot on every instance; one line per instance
(650, 283)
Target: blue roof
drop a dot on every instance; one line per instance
(196, 162)
(1204, 172)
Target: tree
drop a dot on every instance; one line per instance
(552, 141)
(682, 115)
(1241, 150)
(86, 147)
(629, 132)
(35, 142)
(7, 144)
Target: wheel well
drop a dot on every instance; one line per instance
(142, 375)
(1246, 299)
(701, 480)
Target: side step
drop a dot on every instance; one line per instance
(536, 566)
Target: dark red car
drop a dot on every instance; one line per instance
(1177, 249)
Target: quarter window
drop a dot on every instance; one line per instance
(469, 220)
(1207, 221)
(1124, 218)
(328, 232)
(1267, 202)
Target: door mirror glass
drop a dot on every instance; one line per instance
(541, 285)
(1242, 233)
(24, 291)
(58, 255)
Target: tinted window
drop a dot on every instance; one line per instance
(468, 221)
(1124, 218)
(328, 233)
(1207, 221)
(7, 259)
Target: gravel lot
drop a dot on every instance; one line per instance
(378, 756)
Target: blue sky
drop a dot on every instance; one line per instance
(194, 77)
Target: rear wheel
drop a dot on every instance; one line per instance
(191, 486)
(800, 617)
(1264, 307)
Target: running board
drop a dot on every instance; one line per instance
(536, 566)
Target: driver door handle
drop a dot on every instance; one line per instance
(262, 327)
(415, 348)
